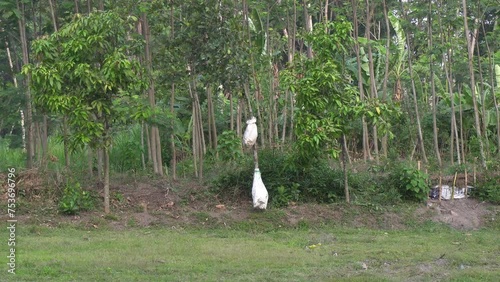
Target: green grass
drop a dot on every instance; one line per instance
(429, 253)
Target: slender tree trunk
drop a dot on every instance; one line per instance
(172, 134)
(100, 162)
(357, 47)
(309, 27)
(386, 73)
(231, 111)
(90, 161)
(373, 85)
(155, 135)
(239, 117)
(344, 169)
(470, 53)
(213, 126)
(143, 147)
(493, 88)
(462, 132)
(106, 179)
(172, 109)
(482, 94)
(433, 89)
(53, 15)
(415, 101)
(26, 82)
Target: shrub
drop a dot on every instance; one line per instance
(126, 151)
(229, 146)
(489, 190)
(75, 199)
(284, 179)
(11, 157)
(411, 183)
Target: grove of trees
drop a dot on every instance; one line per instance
(175, 81)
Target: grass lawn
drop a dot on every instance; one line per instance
(430, 252)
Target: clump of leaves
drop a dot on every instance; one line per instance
(284, 195)
(489, 190)
(411, 183)
(229, 146)
(75, 199)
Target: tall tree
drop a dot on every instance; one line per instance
(85, 72)
(470, 53)
(29, 112)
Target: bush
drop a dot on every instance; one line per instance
(126, 152)
(229, 146)
(75, 199)
(11, 157)
(489, 190)
(411, 183)
(284, 180)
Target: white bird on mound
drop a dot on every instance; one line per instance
(259, 191)
(250, 135)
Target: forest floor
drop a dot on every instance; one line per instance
(139, 201)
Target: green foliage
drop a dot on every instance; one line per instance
(325, 97)
(126, 151)
(284, 180)
(87, 72)
(75, 199)
(229, 146)
(284, 195)
(10, 157)
(489, 190)
(411, 182)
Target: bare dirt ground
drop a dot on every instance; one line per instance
(153, 202)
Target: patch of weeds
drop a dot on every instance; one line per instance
(131, 222)
(118, 196)
(254, 226)
(35, 229)
(203, 219)
(493, 220)
(138, 208)
(112, 217)
(303, 225)
(75, 199)
(96, 222)
(488, 190)
(201, 216)
(413, 184)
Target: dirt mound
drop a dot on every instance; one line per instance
(461, 213)
(147, 202)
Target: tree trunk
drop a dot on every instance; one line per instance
(344, 169)
(155, 135)
(482, 94)
(366, 146)
(415, 102)
(433, 89)
(143, 156)
(100, 161)
(172, 134)
(90, 162)
(26, 82)
(106, 179)
(373, 85)
(211, 110)
(386, 73)
(309, 27)
(473, 84)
